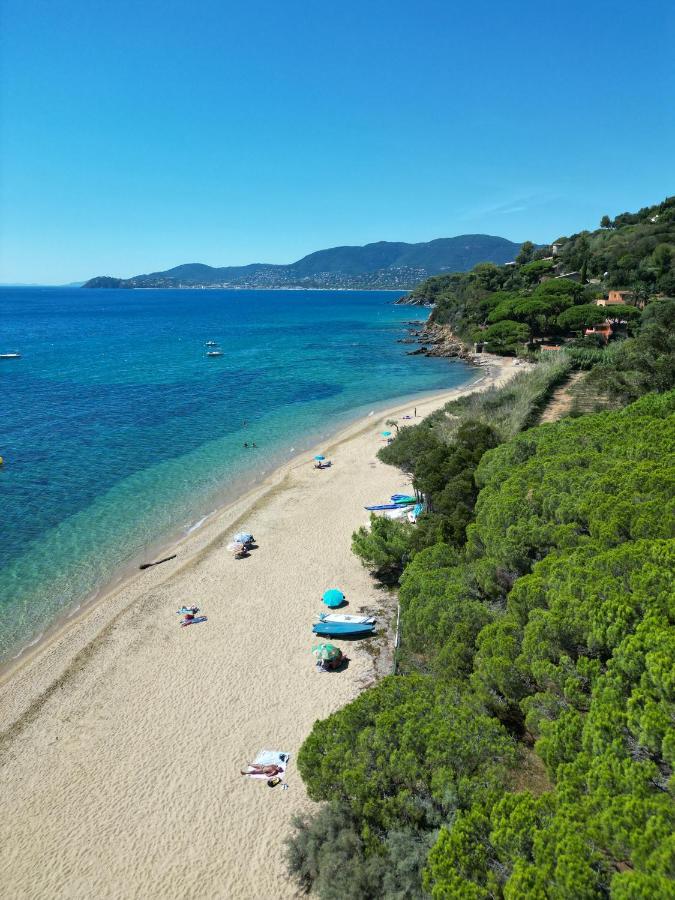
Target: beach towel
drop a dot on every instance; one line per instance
(194, 621)
(270, 758)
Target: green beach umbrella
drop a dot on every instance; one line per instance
(333, 598)
(326, 651)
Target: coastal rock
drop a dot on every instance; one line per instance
(438, 340)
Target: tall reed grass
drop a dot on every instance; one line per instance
(508, 409)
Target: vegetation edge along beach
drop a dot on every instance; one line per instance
(524, 749)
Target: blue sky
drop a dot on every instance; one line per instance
(140, 135)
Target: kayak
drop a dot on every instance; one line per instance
(403, 498)
(387, 506)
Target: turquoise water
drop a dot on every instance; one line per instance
(118, 432)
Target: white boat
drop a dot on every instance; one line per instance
(210, 344)
(395, 513)
(214, 352)
(10, 356)
(334, 618)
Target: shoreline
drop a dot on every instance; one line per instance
(124, 734)
(175, 539)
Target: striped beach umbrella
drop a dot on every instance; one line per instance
(326, 651)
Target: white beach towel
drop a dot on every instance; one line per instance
(270, 758)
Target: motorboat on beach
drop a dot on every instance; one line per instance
(344, 618)
(343, 629)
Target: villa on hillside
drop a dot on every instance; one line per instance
(602, 330)
(615, 298)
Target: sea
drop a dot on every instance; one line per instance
(119, 434)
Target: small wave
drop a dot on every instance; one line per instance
(198, 524)
(36, 640)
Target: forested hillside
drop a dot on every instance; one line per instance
(383, 264)
(524, 749)
(551, 292)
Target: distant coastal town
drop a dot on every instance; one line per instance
(403, 278)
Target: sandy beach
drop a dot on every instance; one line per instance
(122, 737)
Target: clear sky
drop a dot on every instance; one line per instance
(140, 134)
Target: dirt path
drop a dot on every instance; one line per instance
(561, 400)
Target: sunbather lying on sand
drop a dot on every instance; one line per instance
(257, 769)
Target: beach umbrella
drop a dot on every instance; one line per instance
(386, 433)
(326, 651)
(319, 457)
(236, 547)
(333, 598)
(243, 537)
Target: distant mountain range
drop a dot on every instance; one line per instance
(385, 264)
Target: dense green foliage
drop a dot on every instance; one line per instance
(643, 363)
(526, 747)
(505, 306)
(551, 626)
(444, 473)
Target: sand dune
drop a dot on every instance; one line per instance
(123, 737)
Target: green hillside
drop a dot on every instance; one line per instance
(524, 748)
(505, 306)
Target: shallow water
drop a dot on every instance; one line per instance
(116, 429)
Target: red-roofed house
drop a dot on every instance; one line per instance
(603, 330)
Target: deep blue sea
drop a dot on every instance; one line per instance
(118, 432)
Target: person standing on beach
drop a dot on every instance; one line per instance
(415, 412)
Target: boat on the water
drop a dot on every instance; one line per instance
(210, 344)
(214, 352)
(345, 618)
(344, 629)
(10, 356)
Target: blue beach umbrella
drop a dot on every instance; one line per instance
(243, 537)
(320, 456)
(333, 598)
(386, 433)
